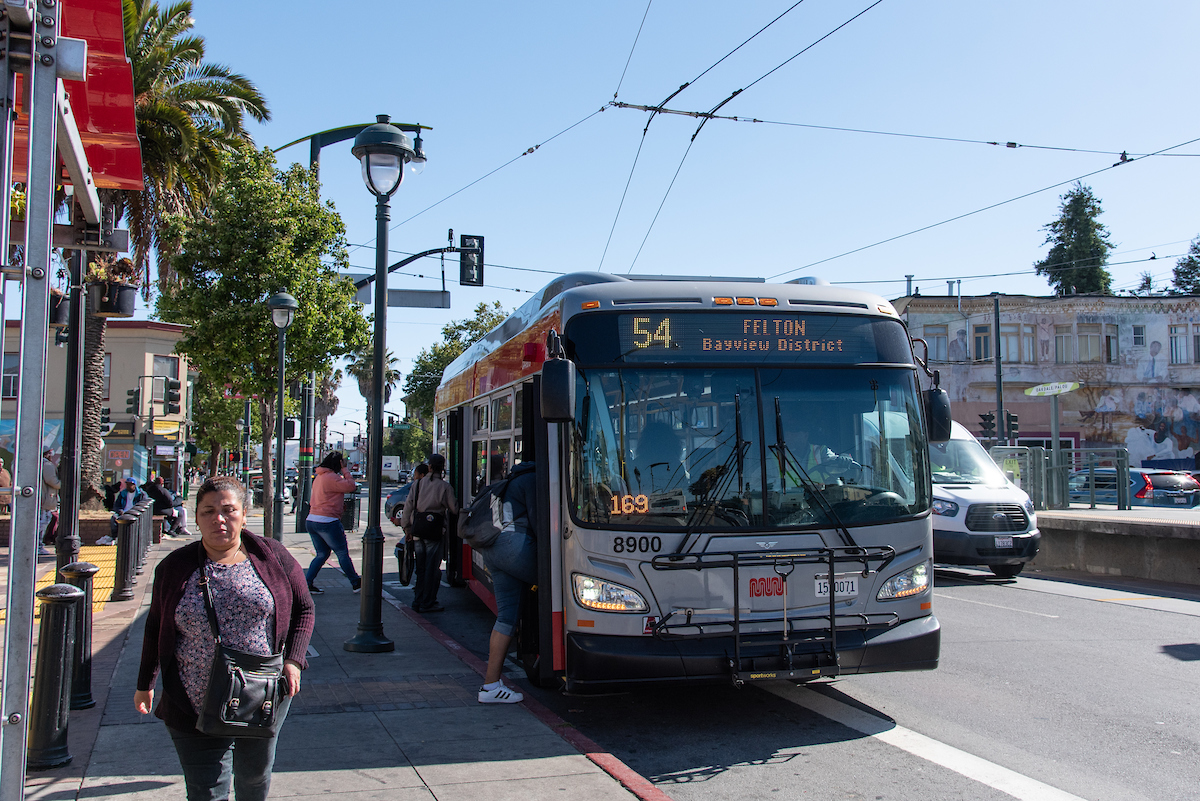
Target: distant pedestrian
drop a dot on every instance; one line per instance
(324, 521)
(50, 487)
(262, 607)
(5, 483)
(128, 497)
(428, 509)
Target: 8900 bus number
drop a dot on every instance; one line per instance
(637, 544)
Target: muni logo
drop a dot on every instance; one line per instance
(772, 585)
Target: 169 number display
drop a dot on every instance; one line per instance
(637, 544)
(630, 504)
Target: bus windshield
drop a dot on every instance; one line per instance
(742, 447)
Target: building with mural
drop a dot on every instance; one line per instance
(137, 353)
(1136, 360)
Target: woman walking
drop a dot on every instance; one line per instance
(262, 607)
(329, 490)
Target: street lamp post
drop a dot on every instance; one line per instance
(283, 308)
(384, 150)
(358, 442)
(240, 425)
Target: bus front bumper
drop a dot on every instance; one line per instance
(596, 662)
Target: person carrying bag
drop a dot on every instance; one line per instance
(426, 511)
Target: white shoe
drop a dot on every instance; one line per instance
(105, 540)
(500, 695)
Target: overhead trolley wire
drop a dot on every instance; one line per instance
(631, 49)
(980, 210)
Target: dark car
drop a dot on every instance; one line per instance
(1147, 487)
(395, 501)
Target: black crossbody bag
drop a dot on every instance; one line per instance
(247, 694)
(426, 525)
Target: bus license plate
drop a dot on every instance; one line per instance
(1004, 542)
(845, 585)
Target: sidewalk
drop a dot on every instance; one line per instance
(401, 726)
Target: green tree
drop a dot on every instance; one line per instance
(413, 444)
(1145, 284)
(187, 113)
(1186, 278)
(325, 402)
(422, 383)
(362, 370)
(1079, 245)
(214, 418)
(266, 231)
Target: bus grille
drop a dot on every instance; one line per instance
(996, 517)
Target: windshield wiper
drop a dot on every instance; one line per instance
(786, 457)
(724, 476)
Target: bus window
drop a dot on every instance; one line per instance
(478, 466)
(481, 418)
(498, 460)
(502, 413)
(441, 428)
(518, 411)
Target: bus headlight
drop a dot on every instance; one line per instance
(911, 582)
(605, 596)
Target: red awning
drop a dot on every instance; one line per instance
(103, 104)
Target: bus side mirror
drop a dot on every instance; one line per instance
(937, 415)
(558, 391)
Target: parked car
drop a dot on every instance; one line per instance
(394, 502)
(1147, 487)
(402, 477)
(979, 516)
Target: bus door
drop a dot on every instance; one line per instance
(457, 466)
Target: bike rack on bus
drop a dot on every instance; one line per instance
(825, 661)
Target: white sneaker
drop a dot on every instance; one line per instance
(500, 695)
(105, 540)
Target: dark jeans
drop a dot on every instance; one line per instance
(429, 572)
(329, 538)
(210, 762)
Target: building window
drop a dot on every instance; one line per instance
(1139, 336)
(107, 372)
(1089, 343)
(1179, 353)
(938, 338)
(1196, 343)
(1062, 344)
(1111, 349)
(983, 342)
(165, 367)
(12, 361)
(1010, 342)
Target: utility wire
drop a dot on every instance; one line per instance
(631, 49)
(1061, 267)
(980, 210)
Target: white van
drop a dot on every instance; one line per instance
(979, 516)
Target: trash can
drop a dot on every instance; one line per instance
(350, 508)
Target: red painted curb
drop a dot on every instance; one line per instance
(629, 778)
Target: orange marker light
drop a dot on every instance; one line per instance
(927, 605)
(590, 304)
(722, 301)
(746, 301)
(768, 302)
(586, 624)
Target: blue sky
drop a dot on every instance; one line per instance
(761, 199)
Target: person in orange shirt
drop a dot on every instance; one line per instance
(324, 522)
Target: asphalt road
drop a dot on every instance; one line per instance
(1048, 689)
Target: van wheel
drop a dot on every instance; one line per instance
(1006, 571)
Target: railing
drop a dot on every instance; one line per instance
(1049, 485)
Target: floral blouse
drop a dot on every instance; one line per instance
(245, 616)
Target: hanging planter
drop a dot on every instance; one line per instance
(112, 299)
(60, 309)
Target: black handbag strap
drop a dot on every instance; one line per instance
(416, 496)
(207, 593)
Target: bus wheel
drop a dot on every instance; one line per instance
(1006, 571)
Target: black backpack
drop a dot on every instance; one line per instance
(487, 516)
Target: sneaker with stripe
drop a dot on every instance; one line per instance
(500, 695)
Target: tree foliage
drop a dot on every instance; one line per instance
(266, 231)
(1186, 275)
(422, 383)
(1079, 245)
(214, 418)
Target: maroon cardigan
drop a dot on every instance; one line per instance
(294, 618)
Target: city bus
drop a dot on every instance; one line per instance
(733, 479)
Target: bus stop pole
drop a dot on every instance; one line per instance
(1058, 482)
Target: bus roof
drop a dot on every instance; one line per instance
(563, 297)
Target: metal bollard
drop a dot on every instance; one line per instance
(81, 574)
(123, 574)
(50, 708)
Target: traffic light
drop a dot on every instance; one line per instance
(470, 260)
(1013, 430)
(133, 403)
(289, 428)
(988, 425)
(104, 416)
(171, 397)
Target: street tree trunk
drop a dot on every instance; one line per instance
(266, 413)
(91, 459)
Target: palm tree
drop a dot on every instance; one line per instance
(188, 114)
(362, 370)
(325, 400)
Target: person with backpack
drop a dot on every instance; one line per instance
(512, 561)
(427, 510)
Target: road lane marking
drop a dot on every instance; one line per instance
(994, 606)
(975, 768)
